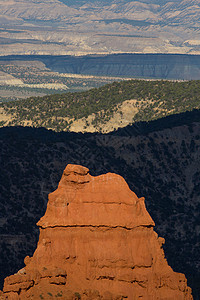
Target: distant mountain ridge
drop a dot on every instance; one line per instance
(81, 27)
(146, 66)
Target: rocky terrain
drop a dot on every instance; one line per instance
(103, 27)
(96, 242)
(159, 160)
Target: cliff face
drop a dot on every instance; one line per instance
(96, 242)
(166, 66)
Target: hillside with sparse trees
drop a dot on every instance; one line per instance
(103, 109)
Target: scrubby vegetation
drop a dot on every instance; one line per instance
(155, 99)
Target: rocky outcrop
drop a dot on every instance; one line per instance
(96, 242)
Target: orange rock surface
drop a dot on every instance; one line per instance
(96, 242)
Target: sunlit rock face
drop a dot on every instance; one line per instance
(96, 242)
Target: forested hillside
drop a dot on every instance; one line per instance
(106, 108)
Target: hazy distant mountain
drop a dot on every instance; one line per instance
(82, 27)
(81, 2)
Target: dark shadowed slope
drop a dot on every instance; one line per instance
(160, 161)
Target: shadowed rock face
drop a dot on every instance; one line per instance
(96, 242)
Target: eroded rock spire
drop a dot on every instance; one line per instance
(96, 242)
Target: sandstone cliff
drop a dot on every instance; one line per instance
(96, 242)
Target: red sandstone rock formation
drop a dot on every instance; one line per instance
(96, 242)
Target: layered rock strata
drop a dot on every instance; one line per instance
(96, 242)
